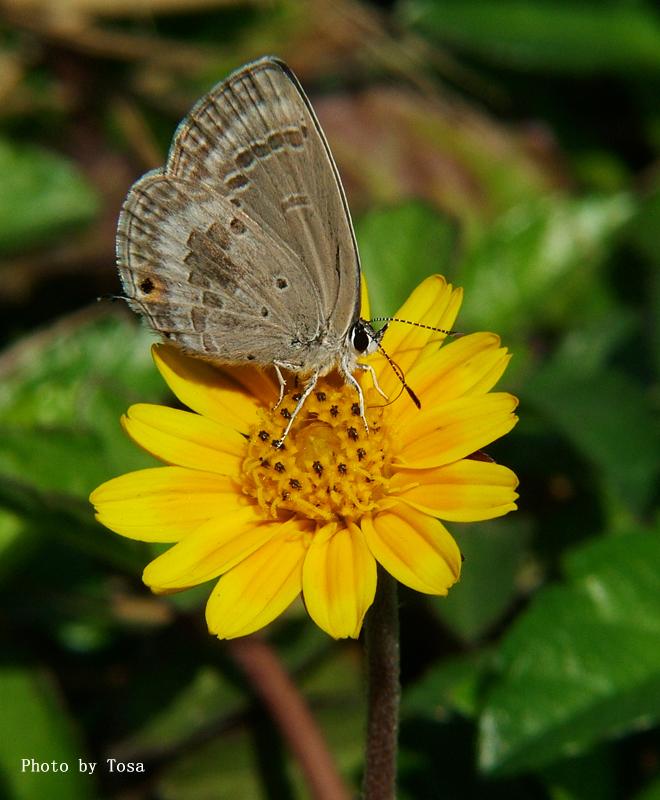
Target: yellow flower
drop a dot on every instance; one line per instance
(317, 515)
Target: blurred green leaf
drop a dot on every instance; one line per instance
(229, 765)
(43, 195)
(566, 36)
(35, 726)
(61, 400)
(196, 705)
(451, 685)
(493, 553)
(606, 415)
(644, 233)
(650, 792)
(399, 247)
(591, 776)
(14, 540)
(583, 663)
(538, 261)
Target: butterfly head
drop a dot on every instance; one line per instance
(363, 339)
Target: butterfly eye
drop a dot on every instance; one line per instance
(360, 339)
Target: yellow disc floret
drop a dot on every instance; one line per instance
(329, 467)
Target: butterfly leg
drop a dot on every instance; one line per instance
(348, 377)
(368, 368)
(282, 382)
(309, 388)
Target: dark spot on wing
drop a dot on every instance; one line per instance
(294, 137)
(237, 226)
(276, 141)
(212, 299)
(147, 286)
(260, 149)
(294, 201)
(236, 182)
(281, 283)
(244, 159)
(198, 318)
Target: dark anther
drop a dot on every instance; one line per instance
(320, 396)
(334, 411)
(353, 434)
(147, 286)
(264, 436)
(355, 409)
(296, 396)
(343, 469)
(279, 466)
(317, 467)
(286, 495)
(278, 444)
(361, 453)
(285, 413)
(265, 463)
(294, 483)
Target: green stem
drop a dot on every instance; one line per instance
(382, 646)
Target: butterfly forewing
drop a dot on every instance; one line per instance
(255, 140)
(241, 248)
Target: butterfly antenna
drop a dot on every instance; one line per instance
(112, 297)
(399, 373)
(415, 324)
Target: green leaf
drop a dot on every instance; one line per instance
(230, 764)
(399, 247)
(451, 685)
(651, 792)
(583, 663)
(61, 401)
(42, 196)
(493, 553)
(545, 34)
(621, 441)
(36, 727)
(539, 262)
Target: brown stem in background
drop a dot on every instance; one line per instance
(384, 691)
(292, 715)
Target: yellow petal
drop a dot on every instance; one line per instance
(185, 439)
(260, 588)
(205, 388)
(434, 303)
(454, 430)
(339, 580)
(415, 548)
(365, 308)
(213, 548)
(162, 504)
(465, 491)
(469, 365)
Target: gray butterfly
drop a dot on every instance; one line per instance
(241, 249)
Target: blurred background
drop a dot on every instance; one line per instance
(512, 146)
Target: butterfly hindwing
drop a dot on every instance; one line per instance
(208, 277)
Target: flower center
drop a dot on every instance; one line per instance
(329, 467)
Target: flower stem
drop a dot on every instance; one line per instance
(384, 691)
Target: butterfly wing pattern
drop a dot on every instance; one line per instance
(241, 248)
